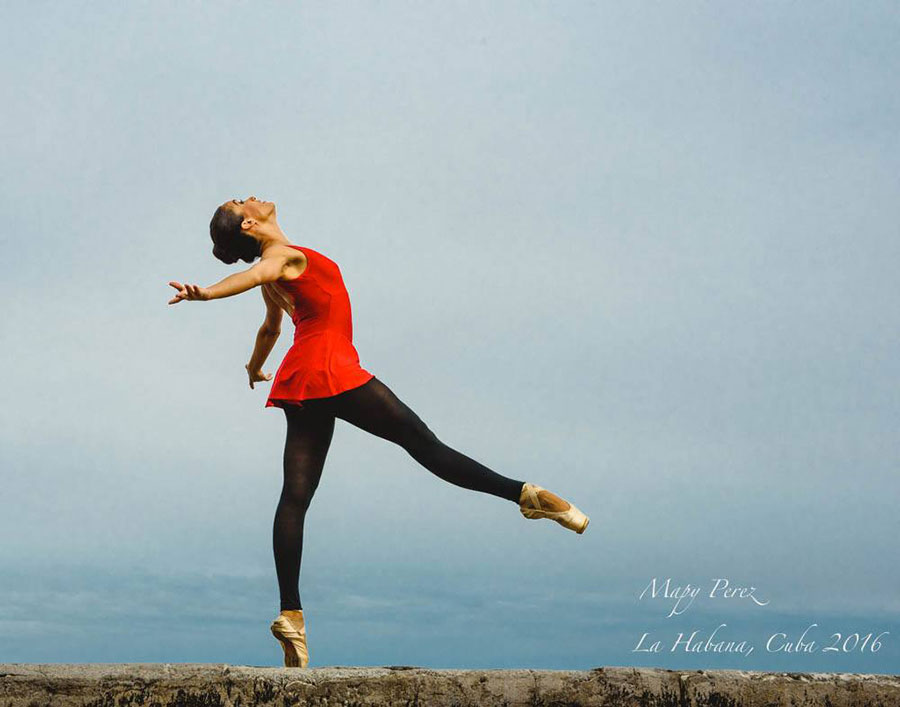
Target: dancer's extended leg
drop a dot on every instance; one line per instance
(309, 434)
(374, 408)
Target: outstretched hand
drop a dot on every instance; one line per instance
(189, 292)
(257, 376)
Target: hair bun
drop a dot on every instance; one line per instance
(223, 255)
(230, 243)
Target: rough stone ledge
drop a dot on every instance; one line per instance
(220, 685)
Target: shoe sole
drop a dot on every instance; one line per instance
(533, 514)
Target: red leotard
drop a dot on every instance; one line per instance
(322, 360)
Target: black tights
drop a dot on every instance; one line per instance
(374, 408)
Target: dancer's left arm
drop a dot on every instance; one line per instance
(266, 270)
(265, 339)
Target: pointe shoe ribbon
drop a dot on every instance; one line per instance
(531, 507)
(292, 636)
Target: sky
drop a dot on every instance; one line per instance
(641, 254)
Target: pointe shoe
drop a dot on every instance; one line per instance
(290, 629)
(532, 507)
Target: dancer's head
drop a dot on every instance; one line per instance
(238, 228)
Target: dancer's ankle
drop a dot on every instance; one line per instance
(551, 502)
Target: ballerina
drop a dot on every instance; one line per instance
(320, 380)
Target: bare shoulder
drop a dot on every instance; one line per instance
(292, 261)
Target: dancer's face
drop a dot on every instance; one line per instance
(252, 209)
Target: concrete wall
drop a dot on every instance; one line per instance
(215, 685)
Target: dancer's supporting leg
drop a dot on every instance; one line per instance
(374, 408)
(309, 434)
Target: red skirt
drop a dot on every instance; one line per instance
(317, 365)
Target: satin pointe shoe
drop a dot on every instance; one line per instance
(290, 630)
(537, 502)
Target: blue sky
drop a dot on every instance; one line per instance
(641, 254)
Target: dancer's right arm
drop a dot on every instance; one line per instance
(266, 270)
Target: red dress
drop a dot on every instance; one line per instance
(322, 360)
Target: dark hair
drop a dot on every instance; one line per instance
(230, 244)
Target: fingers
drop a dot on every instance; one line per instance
(182, 293)
(257, 376)
(180, 296)
(189, 292)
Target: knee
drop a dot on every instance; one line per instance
(419, 439)
(298, 496)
